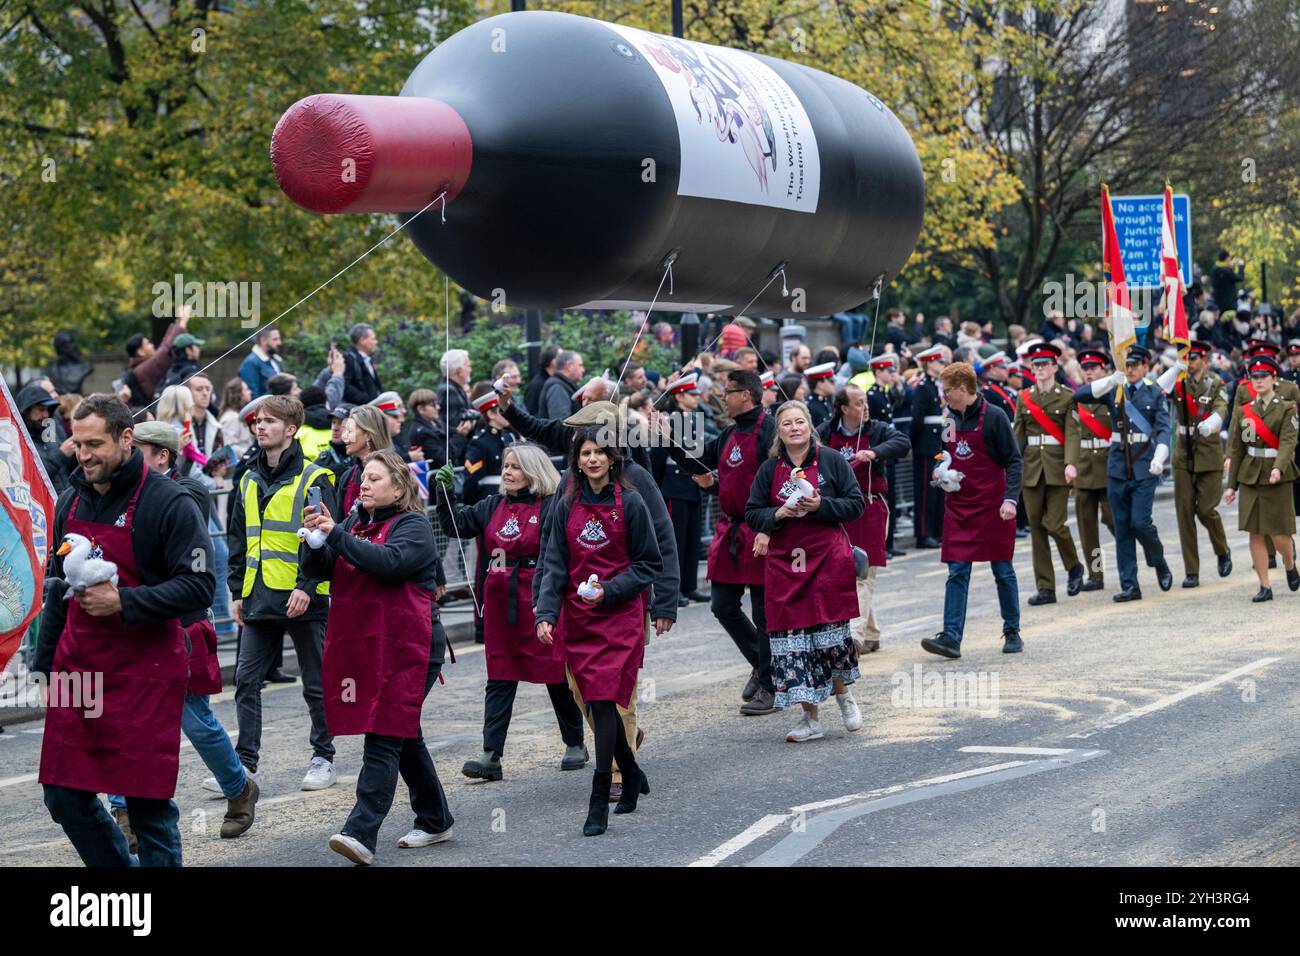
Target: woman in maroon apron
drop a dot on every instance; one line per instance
(600, 529)
(383, 650)
(867, 446)
(509, 528)
(809, 581)
(979, 522)
(364, 433)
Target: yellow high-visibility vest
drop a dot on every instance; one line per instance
(864, 380)
(313, 440)
(271, 537)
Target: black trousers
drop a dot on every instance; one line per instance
(750, 636)
(927, 501)
(384, 758)
(687, 524)
(498, 704)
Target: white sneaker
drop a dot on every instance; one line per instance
(212, 786)
(418, 838)
(807, 729)
(320, 775)
(351, 847)
(849, 711)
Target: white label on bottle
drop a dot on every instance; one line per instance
(745, 136)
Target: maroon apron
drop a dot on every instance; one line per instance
(731, 552)
(133, 746)
(825, 589)
(513, 539)
(205, 669)
(972, 528)
(868, 531)
(351, 492)
(603, 645)
(377, 644)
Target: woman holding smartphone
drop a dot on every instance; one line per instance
(383, 650)
(601, 558)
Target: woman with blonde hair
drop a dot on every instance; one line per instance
(364, 433)
(509, 528)
(176, 408)
(801, 500)
(383, 649)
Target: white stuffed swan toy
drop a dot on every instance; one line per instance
(945, 476)
(83, 565)
(588, 589)
(803, 488)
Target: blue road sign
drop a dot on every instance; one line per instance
(1137, 225)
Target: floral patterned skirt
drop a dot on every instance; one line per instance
(807, 660)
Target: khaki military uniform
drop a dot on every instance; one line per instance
(1286, 390)
(1264, 508)
(1045, 491)
(1198, 465)
(1088, 452)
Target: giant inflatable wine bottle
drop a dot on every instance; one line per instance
(577, 157)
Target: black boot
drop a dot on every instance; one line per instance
(1293, 578)
(1263, 594)
(635, 785)
(598, 808)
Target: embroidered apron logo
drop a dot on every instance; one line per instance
(593, 533)
(963, 449)
(510, 530)
(735, 458)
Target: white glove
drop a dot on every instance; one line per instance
(1211, 425)
(1108, 384)
(1169, 377)
(1159, 458)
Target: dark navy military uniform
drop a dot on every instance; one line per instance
(1141, 423)
(685, 503)
(927, 441)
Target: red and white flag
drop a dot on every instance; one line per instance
(26, 517)
(1171, 279)
(1119, 308)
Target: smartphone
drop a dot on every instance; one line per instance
(313, 497)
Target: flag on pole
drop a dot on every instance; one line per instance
(420, 471)
(1171, 279)
(1119, 308)
(26, 516)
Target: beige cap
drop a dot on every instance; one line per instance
(161, 434)
(594, 413)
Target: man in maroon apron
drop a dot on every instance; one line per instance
(980, 517)
(736, 455)
(120, 645)
(869, 447)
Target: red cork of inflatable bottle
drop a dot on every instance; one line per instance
(334, 152)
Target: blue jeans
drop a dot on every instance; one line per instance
(854, 327)
(97, 838)
(1130, 507)
(220, 563)
(955, 591)
(212, 744)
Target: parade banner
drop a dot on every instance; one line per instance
(26, 516)
(1171, 278)
(1119, 309)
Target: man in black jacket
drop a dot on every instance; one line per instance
(270, 593)
(545, 369)
(360, 378)
(926, 433)
(38, 411)
(556, 401)
(166, 533)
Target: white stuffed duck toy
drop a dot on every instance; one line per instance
(945, 476)
(83, 564)
(588, 589)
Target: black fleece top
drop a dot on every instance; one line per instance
(840, 493)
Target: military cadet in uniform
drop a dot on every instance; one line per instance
(486, 449)
(1291, 373)
(1200, 407)
(1087, 448)
(884, 400)
(1244, 391)
(1139, 449)
(1261, 450)
(995, 388)
(821, 392)
(681, 491)
(1041, 414)
(927, 442)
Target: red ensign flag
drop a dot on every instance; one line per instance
(26, 516)
(1172, 280)
(1119, 308)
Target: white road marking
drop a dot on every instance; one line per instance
(1027, 751)
(932, 574)
(1172, 699)
(15, 781)
(742, 840)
